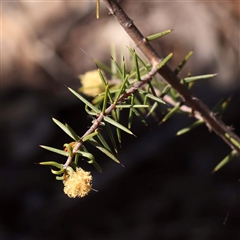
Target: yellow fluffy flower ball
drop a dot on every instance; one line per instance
(77, 183)
(91, 83)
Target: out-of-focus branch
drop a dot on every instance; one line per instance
(197, 106)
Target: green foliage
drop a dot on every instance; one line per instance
(136, 90)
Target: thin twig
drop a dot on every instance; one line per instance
(197, 106)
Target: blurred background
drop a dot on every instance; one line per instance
(166, 189)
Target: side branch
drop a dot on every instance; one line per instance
(135, 86)
(197, 106)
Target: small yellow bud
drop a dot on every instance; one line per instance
(91, 83)
(77, 183)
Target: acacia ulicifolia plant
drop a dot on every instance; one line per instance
(142, 93)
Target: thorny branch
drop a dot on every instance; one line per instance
(197, 106)
(135, 86)
(198, 109)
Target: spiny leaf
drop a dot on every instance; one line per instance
(103, 142)
(117, 67)
(225, 160)
(74, 134)
(132, 106)
(55, 150)
(189, 128)
(157, 99)
(118, 125)
(51, 163)
(104, 150)
(105, 99)
(158, 35)
(117, 129)
(233, 141)
(196, 78)
(84, 100)
(221, 105)
(171, 112)
(104, 67)
(111, 136)
(122, 88)
(165, 60)
(181, 65)
(165, 91)
(67, 129)
(139, 116)
(145, 66)
(124, 70)
(130, 116)
(89, 136)
(136, 66)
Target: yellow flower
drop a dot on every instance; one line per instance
(77, 183)
(91, 83)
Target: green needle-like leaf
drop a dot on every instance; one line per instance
(171, 112)
(104, 67)
(165, 91)
(130, 116)
(225, 160)
(58, 151)
(111, 136)
(124, 70)
(117, 67)
(118, 130)
(158, 35)
(76, 158)
(196, 78)
(103, 142)
(51, 163)
(182, 64)
(102, 77)
(73, 134)
(123, 86)
(118, 125)
(151, 111)
(145, 66)
(105, 99)
(84, 100)
(233, 141)
(132, 106)
(157, 99)
(221, 106)
(139, 116)
(67, 129)
(165, 60)
(189, 128)
(136, 66)
(89, 136)
(104, 150)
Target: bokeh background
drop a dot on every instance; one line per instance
(166, 189)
